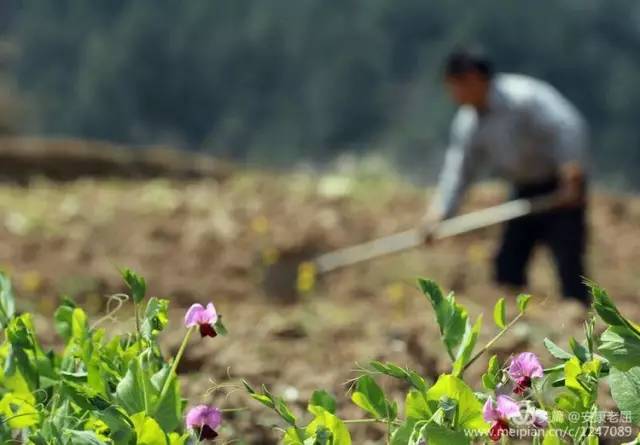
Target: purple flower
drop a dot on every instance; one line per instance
(204, 420)
(498, 414)
(540, 418)
(522, 369)
(205, 318)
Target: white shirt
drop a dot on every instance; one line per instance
(526, 133)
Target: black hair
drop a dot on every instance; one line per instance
(463, 60)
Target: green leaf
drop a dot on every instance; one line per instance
(416, 407)
(19, 332)
(579, 350)
(264, 399)
(275, 403)
(500, 314)
(469, 412)
(324, 400)
(556, 350)
(620, 347)
(37, 439)
(389, 369)
(523, 302)
(219, 327)
(294, 436)
(62, 318)
(155, 318)
(395, 371)
(177, 439)
(7, 301)
(19, 411)
(130, 390)
(467, 345)
(325, 420)
(402, 434)
(20, 361)
(121, 428)
(607, 310)
(148, 431)
(625, 390)
(79, 325)
(439, 435)
(284, 411)
(491, 378)
(582, 379)
(451, 317)
(84, 438)
(136, 284)
(84, 396)
(370, 397)
(169, 410)
(551, 438)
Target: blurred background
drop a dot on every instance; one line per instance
(290, 80)
(197, 141)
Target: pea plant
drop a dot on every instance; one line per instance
(99, 388)
(519, 398)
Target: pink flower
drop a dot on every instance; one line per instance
(498, 414)
(204, 420)
(522, 369)
(205, 318)
(540, 418)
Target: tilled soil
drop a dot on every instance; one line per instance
(204, 240)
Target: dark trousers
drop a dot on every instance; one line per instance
(564, 231)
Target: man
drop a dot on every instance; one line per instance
(531, 136)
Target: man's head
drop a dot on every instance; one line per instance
(468, 74)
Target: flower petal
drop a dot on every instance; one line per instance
(207, 433)
(507, 407)
(489, 412)
(497, 430)
(206, 330)
(196, 416)
(211, 314)
(214, 417)
(540, 418)
(203, 415)
(525, 364)
(193, 315)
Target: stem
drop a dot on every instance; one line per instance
(137, 313)
(145, 392)
(361, 421)
(174, 366)
(233, 410)
(491, 342)
(391, 422)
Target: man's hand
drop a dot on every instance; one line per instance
(571, 192)
(428, 226)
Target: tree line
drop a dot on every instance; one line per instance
(284, 80)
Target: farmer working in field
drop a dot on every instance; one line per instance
(530, 135)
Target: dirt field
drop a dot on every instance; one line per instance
(206, 239)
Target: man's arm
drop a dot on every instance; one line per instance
(461, 164)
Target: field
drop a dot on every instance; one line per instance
(208, 238)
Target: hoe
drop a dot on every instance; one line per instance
(282, 278)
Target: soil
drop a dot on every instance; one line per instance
(211, 239)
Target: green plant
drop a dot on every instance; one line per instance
(98, 389)
(556, 405)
